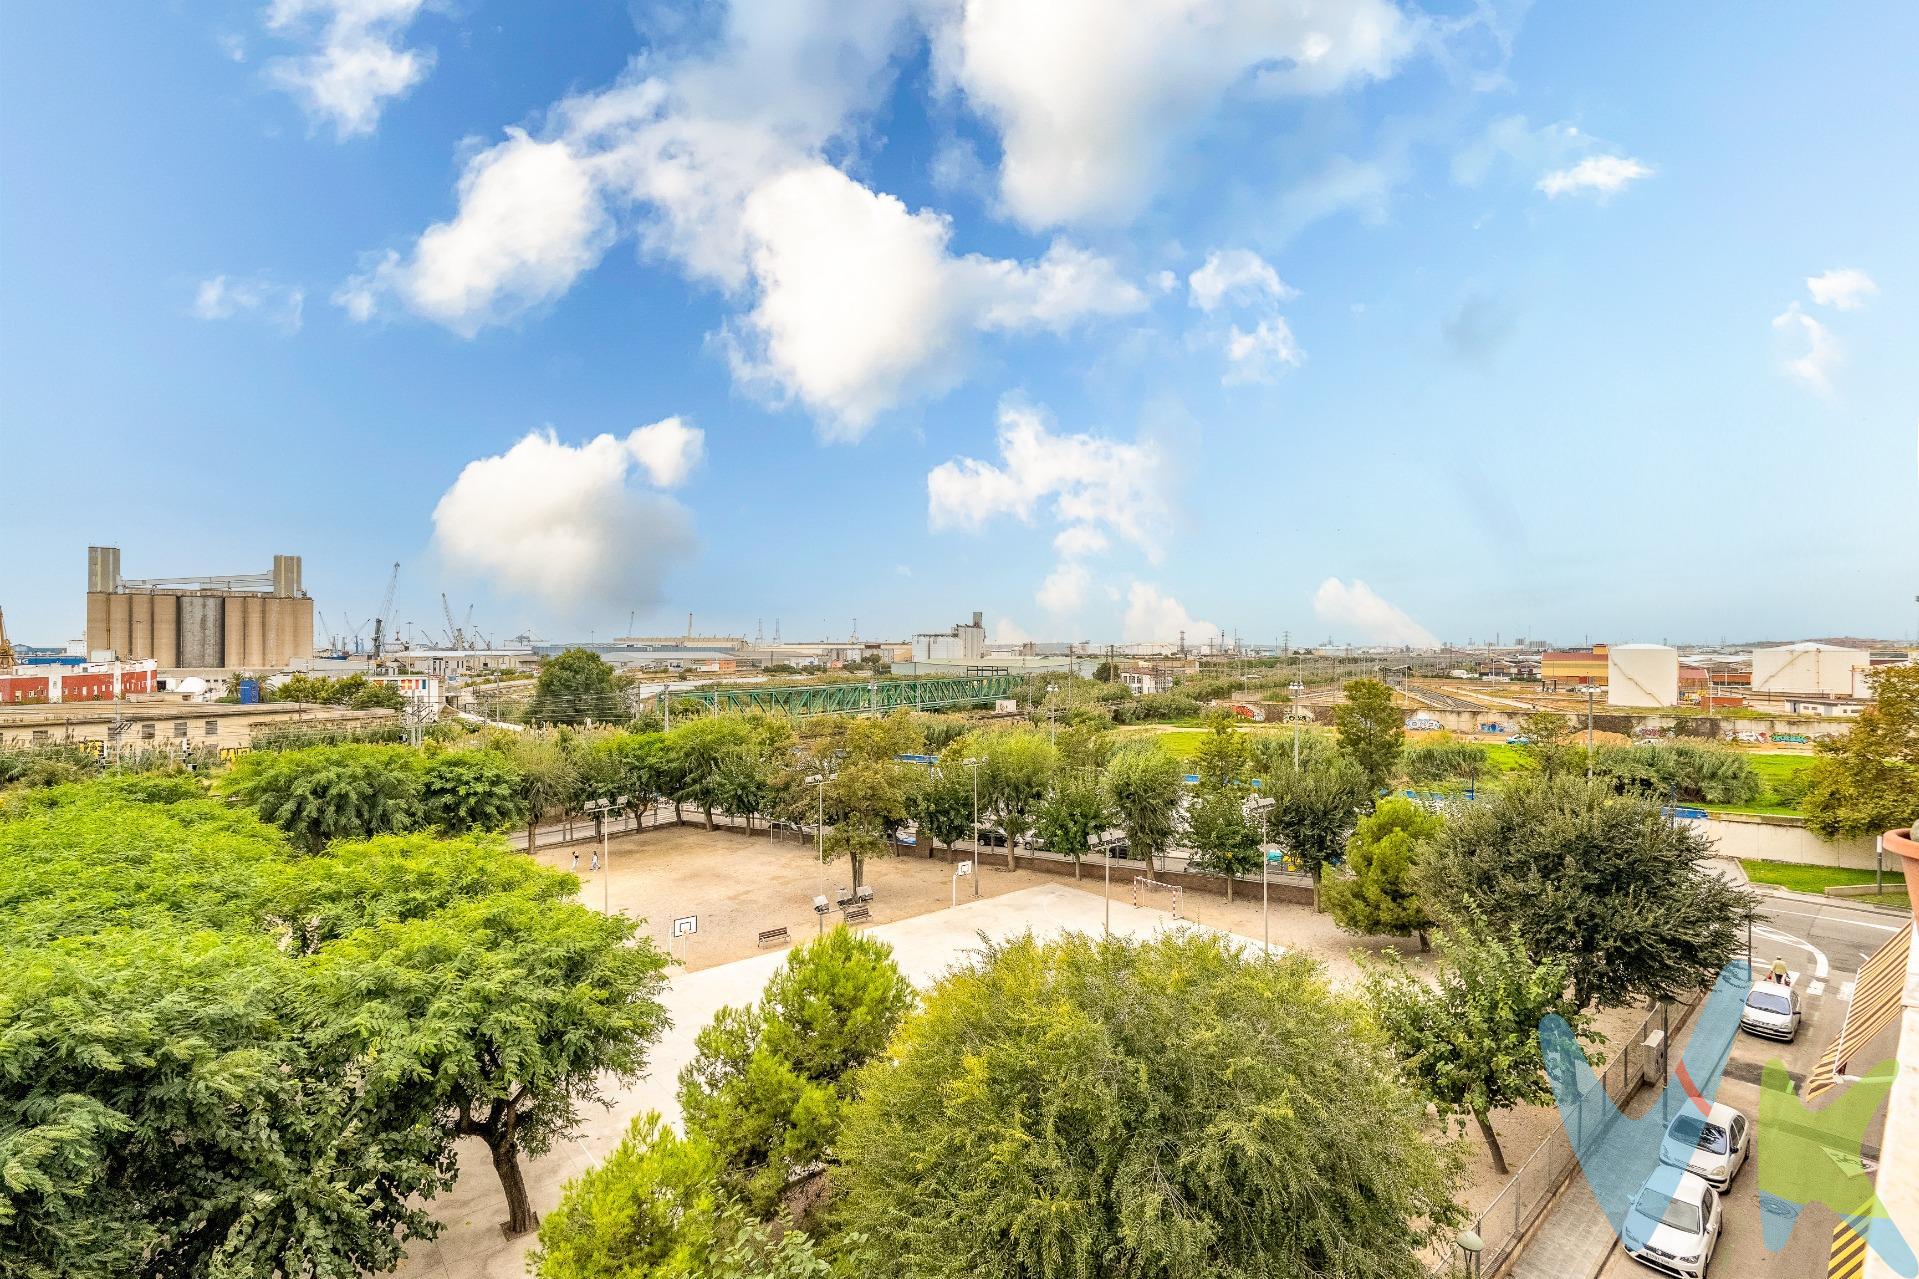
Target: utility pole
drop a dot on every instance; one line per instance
(1589, 734)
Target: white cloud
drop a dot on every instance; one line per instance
(360, 64)
(1262, 354)
(1357, 609)
(530, 221)
(1809, 351)
(1007, 631)
(1092, 483)
(668, 450)
(1063, 592)
(562, 523)
(225, 297)
(1238, 276)
(1154, 617)
(1080, 540)
(1845, 288)
(1602, 175)
(1092, 99)
(849, 301)
(1512, 139)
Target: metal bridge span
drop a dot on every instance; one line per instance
(870, 697)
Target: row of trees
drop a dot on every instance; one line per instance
(228, 1055)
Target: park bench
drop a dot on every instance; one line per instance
(774, 937)
(857, 914)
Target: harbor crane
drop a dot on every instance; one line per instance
(384, 617)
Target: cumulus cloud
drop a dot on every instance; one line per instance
(1357, 609)
(531, 220)
(1153, 617)
(564, 522)
(1598, 175)
(226, 297)
(1092, 99)
(1845, 289)
(1237, 275)
(1007, 631)
(1089, 484)
(1096, 489)
(1809, 353)
(1261, 354)
(359, 62)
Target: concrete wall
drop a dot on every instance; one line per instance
(1688, 727)
(202, 635)
(1784, 839)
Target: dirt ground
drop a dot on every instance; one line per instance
(736, 887)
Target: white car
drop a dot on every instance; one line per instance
(1674, 1224)
(1772, 1010)
(1712, 1146)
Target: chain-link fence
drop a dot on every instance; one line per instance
(1503, 1224)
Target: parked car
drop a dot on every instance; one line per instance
(1520, 740)
(990, 838)
(1772, 1009)
(1423, 724)
(1712, 1146)
(1674, 1223)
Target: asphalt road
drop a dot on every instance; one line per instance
(1824, 944)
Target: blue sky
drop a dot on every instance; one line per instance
(1356, 320)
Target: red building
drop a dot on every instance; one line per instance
(104, 683)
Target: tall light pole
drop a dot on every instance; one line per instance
(602, 810)
(1295, 688)
(819, 779)
(1589, 734)
(974, 765)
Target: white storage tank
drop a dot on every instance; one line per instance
(1807, 668)
(1642, 675)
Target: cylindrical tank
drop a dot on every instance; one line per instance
(1807, 668)
(256, 631)
(1642, 675)
(302, 627)
(120, 624)
(233, 651)
(141, 646)
(202, 632)
(99, 628)
(271, 609)
(166, 628)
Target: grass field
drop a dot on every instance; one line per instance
(1816, 879)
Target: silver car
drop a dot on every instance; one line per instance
(1772, 1010)
(1712, 1146)
(1674, 1224)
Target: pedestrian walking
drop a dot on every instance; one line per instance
(596, 860)
(576, 860)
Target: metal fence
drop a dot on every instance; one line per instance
(1504, 1222)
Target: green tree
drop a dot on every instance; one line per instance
(1371, 731)
(943, 804)
(1379, 893)
(1072, 816)
(654, 1210)
(1224, 837)
(982, 1145)
(577, 687)
(324, 793)
(768, 1085)
(1142, 786)
(163, 1117)
(1619, 893)
(1224, 759)
(464, 791)
(1469, 1039)
(506, 1013)
(1014, 782)
(1867, 782)
(867, 801)
(705, 751)
(1314, 810)
(549, 779)
(1548, 735)
(1106, 672)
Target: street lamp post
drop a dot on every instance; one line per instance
(1589, 734)
(974, 765)
(602, 810)
(1295, 688)
(819, 779)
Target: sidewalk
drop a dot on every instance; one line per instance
(1573, 1241)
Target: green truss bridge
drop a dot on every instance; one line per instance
(870, 697)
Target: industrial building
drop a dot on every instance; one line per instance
(248, 621)
(963, 643)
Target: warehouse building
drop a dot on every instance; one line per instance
(250, 621)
